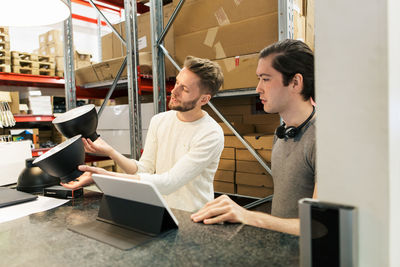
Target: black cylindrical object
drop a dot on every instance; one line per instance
(81, 120)
(63, 160)
(32, 179)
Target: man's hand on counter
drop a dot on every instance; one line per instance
(221, 209)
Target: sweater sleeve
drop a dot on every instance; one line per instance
(203, 151)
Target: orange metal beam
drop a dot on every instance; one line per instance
(83, 18)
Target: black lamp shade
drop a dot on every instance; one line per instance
(81, 120)
(63, 160)
(32, 179)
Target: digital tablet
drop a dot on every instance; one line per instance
(130, 189)
(10, 197)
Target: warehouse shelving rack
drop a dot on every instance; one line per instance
(285, 10)
(156, 13)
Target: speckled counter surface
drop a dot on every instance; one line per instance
(42, 239)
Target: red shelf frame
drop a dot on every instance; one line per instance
(33, 118)
(17, 79)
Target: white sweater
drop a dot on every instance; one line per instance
(181, 158)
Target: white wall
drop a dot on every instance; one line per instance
(26, 39)
(394, 134)
(357, 160)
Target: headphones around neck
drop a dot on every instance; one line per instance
(291, 131)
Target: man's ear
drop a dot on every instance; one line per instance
(204, 99)
(297, 83)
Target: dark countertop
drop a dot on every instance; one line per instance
(42, 239)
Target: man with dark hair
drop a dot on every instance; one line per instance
(183, 145)
(286, 86)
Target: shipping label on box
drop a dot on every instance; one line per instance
(239, 71)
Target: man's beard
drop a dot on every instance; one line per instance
(184, 106)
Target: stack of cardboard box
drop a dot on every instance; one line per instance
(238, 171)
(229, 32)
(5, 57)
(112, 46)
(303, 21)
(51, 44)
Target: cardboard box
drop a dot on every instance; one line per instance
(266, 128)
(225, 176)
(235, 110)
(54, 36)
(197, 15)
(239, 127)
(258, 141)
(228, 153)
(106, 47)
(55, 49)
(226, 164)
(233, 141)
(224, 187)
(250, 167)
(255, 191)
(112, 44)
(82, 59)
(299, 26)
(310, 35)
(241, 38)
(234, 101)
(244, 154)
(254, 179)
(267, 118)
(239, 71)
(60, 63)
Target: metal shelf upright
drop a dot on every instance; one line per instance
(131, 63)
(285, 9)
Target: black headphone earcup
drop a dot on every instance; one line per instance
(280, 131)
(291, 132)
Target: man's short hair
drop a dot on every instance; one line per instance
(209, 72)
(292, 57)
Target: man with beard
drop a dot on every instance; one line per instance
(183, 145)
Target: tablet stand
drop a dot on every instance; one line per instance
(125, 223)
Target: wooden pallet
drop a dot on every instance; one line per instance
(60, 73)
(4, 38)
(4, 30)
(47, 72)
(4, 45)
(5, 60)
(47, 65)
(25, 70)
(5, 68)
(25, 63)
(49, 59)
(24, 56)
(5, 53)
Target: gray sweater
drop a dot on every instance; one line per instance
(293, 171)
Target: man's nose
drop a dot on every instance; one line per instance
(258, 88)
